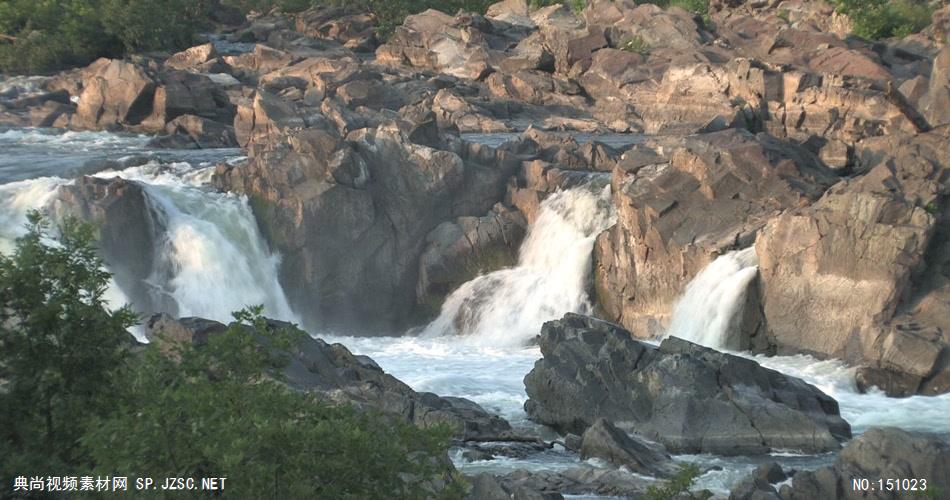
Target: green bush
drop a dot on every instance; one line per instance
(877, 19)
(61, 350)
(76, 399)
(636, 44)
(676, 487)
(46, 35)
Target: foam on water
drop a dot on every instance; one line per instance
(508, 307)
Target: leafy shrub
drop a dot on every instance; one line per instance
(636, 44)
(676, 486)
(60, 348)
(75, 397)
(46, 35)
(877, 19)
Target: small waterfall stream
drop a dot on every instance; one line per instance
(709, 310)
(508, 307)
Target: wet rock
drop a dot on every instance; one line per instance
(460, 250)
(689, 398)
(880, 453)
(51, 114)
(603, 440)
(129, 232)
(332, 373)
(351, 217)
(759, 485)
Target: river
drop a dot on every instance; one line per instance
(216, 261)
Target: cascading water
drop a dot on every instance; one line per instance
(508, 307)
(212, 259)
(709, 310)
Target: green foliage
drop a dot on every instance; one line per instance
(877, 19)
(783, 14)
(576, 6)
(76, 399)
(60, 347)
(699, 8)
(220, 410)
(45, 35)
(636, 44)
(677, 485)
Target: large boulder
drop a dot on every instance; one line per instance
(129, 232)
(683, 202)
(332, 373)
(350, 217)
(689, 398)
(115, 93)
(840, 278)
(458, 251)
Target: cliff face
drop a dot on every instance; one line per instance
(766, 126)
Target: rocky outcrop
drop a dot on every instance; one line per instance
(834, 275)
(689, 398)
(333, 373)
(914, 460)
(603, 440)
(680, 203)
(460, 250)
(116, 93)
(350, 217)
(128, 232)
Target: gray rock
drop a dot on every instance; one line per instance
(603, 440)
(332, 373)
(689, 398)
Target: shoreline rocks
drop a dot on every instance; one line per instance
(882, 453)
(333, 373)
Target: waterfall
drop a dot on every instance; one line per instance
(709, 310)
(212, 259)
(508, 307)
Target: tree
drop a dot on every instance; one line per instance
(77, 397)
(61, 348)
(220, 410)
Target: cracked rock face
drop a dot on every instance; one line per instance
(689, 398)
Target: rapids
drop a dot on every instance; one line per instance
(214, 261)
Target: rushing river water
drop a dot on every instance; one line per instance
(219, 262)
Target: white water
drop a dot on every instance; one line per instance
(713, 300)
(508, 307)
(213, 260)
(212, 242)
(212, 251)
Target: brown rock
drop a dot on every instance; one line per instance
(681, 205)
(116, 93)
(192, 58)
